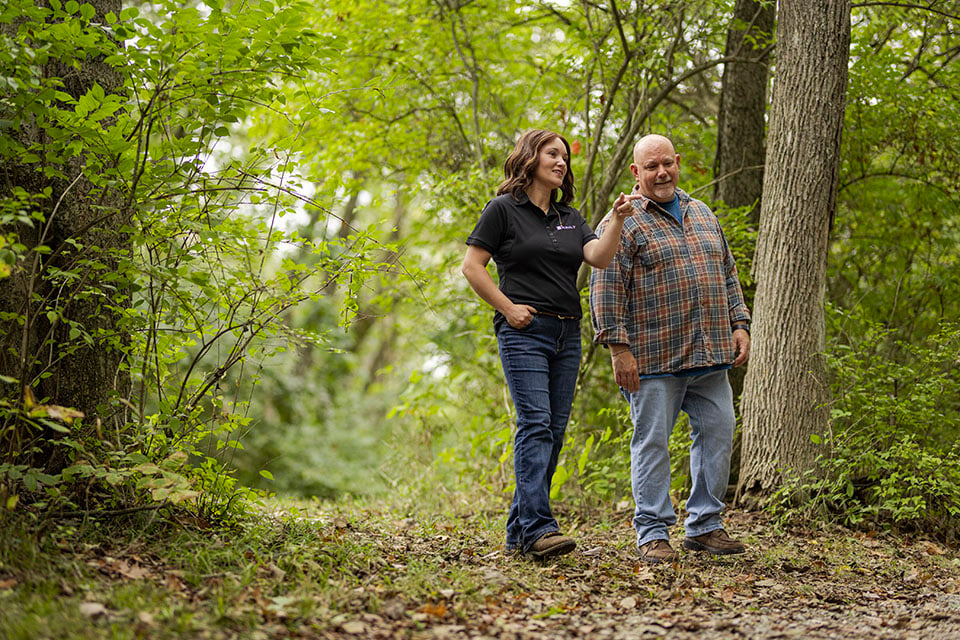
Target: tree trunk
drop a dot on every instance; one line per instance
(786, 392)
(738, 164)
(741, 127)
(80, 223)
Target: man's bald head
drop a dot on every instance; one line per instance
(652, 140)
(656, 166)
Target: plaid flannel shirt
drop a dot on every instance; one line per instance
(671, 292)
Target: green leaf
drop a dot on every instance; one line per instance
(56, 426)
(147, 468)
(266, 474)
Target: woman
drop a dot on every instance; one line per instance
(538, 242)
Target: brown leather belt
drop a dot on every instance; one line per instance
(556, 315)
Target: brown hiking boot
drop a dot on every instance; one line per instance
(717, 542)
(552, 544)
(657, 551)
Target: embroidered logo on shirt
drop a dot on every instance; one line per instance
(565, 227)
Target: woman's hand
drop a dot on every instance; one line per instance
(519, 315)
(475, 271)
(599, 253)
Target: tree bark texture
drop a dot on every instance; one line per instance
(741, 129)
(786, 392)
(741, 122)
(80, 223)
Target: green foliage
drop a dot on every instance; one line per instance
(894, 257)
(208, 268)
(891, 457)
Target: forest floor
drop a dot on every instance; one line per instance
(362, 570)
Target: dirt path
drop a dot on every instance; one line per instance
(355, 570)
(830, 583)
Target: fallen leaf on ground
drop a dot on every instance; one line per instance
(437, 610)
(92, 609)
(354, 627)
(132, 571)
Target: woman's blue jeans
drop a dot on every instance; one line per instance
(540, 363)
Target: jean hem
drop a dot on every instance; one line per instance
(693, 533)
(651, 538)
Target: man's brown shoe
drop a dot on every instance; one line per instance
(552, 544)
(717, 542)
(657, 551)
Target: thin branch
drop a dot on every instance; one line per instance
(901, 5)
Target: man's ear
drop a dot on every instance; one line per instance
(635, 170)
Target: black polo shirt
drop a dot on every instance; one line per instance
(537, 255)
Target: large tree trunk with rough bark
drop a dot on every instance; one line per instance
(41, 343)
(741, 127)
(741, 121)
(786, 392)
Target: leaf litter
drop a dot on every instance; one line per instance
(369, 574)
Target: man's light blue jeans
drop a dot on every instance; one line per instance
(540, 362)
(708, 400)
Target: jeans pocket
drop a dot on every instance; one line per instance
(528, 326)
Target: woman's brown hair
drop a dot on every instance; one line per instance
(521, 164)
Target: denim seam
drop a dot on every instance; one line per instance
(698, 532)
(650, 538)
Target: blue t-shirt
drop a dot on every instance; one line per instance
(672, 207)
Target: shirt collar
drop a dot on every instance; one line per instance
(523, 200)
(646, 202)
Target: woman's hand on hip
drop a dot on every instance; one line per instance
(519, 315)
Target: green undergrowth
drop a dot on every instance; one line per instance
(297, 563)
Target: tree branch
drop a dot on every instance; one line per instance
(902, 5)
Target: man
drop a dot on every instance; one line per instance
(671, 311)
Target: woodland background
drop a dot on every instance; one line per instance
(231, 234)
